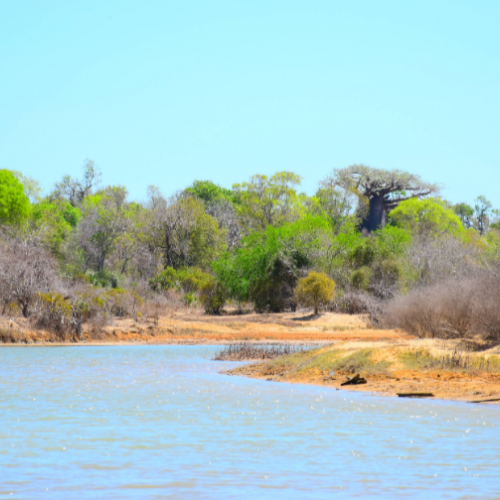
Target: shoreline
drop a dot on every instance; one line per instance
(385, 374)
(392, 361)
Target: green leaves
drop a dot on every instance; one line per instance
(426, 217)
(14, 204)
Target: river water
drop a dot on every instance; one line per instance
(161, 422)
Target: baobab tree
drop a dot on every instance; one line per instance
(379, 191)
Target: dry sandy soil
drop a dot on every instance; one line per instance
(192, 326)
(469, 384)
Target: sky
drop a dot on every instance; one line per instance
(167, 92)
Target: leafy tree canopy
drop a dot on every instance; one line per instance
(57, 220)
(14, 204)
(265, 201)
(266, 266)
(208, 191)
(426, 216)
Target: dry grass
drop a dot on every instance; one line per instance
(254, 352)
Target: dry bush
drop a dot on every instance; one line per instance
(250, 352)
(161, 304)
(455, 308)
(433, 260)
(55, 314)
(354, 301)
(26, 270)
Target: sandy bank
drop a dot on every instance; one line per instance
(392, 367)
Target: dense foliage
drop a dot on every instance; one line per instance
(85, 251)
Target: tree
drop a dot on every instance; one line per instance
(266, 265)
(314, 290)
(268, 201)
(208, 191)
(219, 203)
(337, 204)
(379, 191)
(105, 220)
(466, 214)
(182, 232)
(55, 220)
(482, 210)
(75, 191)
(426, 217)
(14, 204)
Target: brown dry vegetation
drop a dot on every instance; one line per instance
(192, 326)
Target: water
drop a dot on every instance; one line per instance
(161, 422)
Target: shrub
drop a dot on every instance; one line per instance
(188, 280)
(213, 297)
(54, 313)
(360, 278)
(314, 290)
(456, 308)
(26, 270)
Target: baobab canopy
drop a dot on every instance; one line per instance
(379, 191)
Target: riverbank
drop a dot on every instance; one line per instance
(192, 326)
(447, 370)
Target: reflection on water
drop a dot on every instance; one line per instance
(160, 422)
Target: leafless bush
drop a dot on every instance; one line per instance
(354, 302)
(432, 260)
(460, 308)
(250, 352)
(26, 270)
(162, 304)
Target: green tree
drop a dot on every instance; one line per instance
(466, 214)
(56, 220)
(14, 204)
(266, 201)
(314, 290)
(266, 265)
(208, 191)
(482, 212)
(426, 217)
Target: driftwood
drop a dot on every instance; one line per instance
(357, 379)
(484, 400)
(415, 395)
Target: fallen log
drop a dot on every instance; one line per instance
(484, 400)
(357, 379)
(415, 395)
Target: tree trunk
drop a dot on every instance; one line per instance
(168, 249)
(316, 311)
(375, 219)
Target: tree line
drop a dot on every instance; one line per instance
(366, 240)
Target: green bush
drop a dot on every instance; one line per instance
(360, 278)
(186, 280)
(213, 297)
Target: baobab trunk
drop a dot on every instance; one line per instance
(375, 218)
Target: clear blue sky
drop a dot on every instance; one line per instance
(166, 92)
